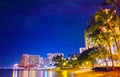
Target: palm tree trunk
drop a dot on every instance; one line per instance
(106, 62)
(111, 55)
(93, 64)
(115, 39)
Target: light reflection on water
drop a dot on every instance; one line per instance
(42, 73)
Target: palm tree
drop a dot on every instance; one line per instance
(112, 4)
(109, 21)
(101, 38)
(102, 23)
(87, 55)
(97, 39)
(113, 16)
(107, 37)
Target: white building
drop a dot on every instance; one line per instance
(82, 49)
(50, 56)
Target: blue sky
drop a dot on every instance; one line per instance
(42, 26)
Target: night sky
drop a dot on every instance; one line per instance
(42, 26)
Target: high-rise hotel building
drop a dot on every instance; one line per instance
(30, 60)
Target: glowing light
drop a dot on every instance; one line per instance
(33, 74)
(64, 73)
(64, 64)
(87, 63)
(15, 66)
(50, 74)
(83, 64)
(15, 74)
(41, 74)
(46, 74)
(99, 61)
(25, 73)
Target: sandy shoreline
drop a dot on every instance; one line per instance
(97, 74)
(92, 73)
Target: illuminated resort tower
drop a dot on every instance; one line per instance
(30, 61)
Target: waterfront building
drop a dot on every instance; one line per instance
(31, 61)
(50, 56)
(24, 61)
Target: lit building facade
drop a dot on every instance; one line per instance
(50, 56)
(30, 60)
(24, 60)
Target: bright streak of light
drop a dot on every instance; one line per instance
(32, 74)
(41, 74)
(50, 74)
(25, 74)
(64, 73)
(46, 73)
(15, 74)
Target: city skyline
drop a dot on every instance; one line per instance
(42, 26)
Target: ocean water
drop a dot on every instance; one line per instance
(6, 73)
(32, 73)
